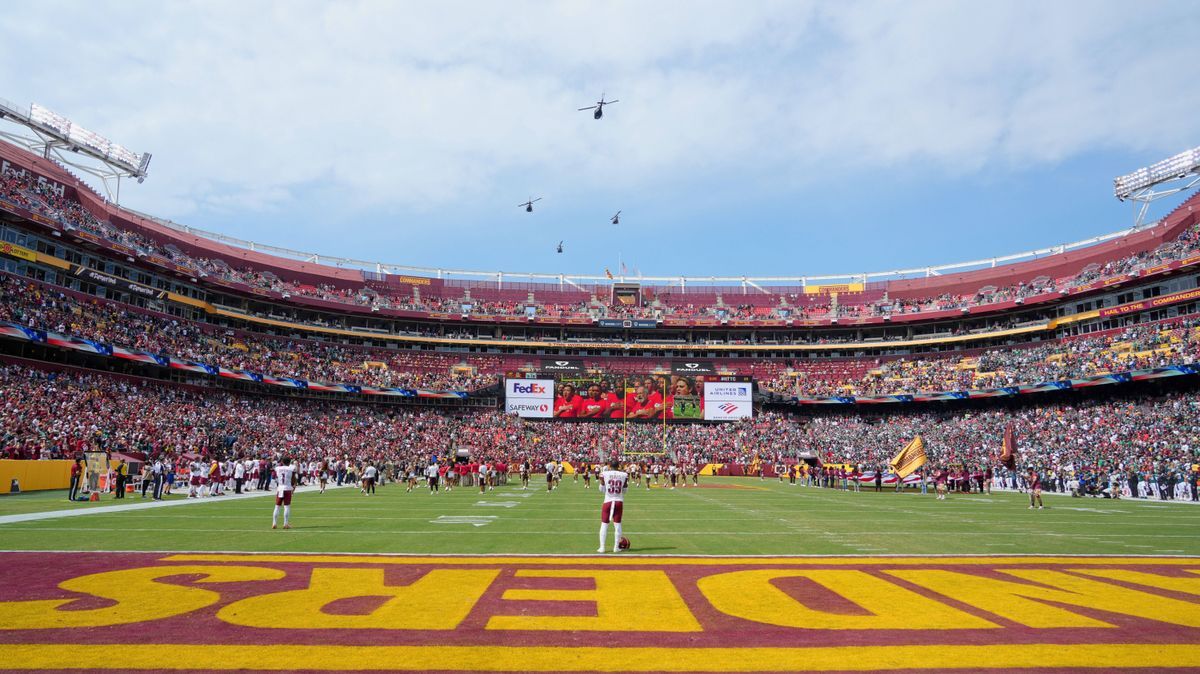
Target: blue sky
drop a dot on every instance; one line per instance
(752, 138)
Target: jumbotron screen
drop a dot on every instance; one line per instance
(570, 392)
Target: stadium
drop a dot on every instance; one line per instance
(987, 465)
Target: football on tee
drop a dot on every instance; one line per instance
(623, 543)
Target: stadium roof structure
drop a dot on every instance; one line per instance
(55, 137)
(682, 281)
(216, 245)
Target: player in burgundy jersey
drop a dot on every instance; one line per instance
(1035, 489)
(613, 482)
(939, 478)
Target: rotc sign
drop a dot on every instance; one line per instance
(155, 612)
(532, 398)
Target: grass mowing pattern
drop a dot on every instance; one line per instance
(767, 518)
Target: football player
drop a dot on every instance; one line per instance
(285, 478)
(613, 482)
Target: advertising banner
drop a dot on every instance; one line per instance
(724, 401)
(117, 282)
(693, 367)
(562, 365)
(637, 323)
(1153, 303)
(531, 398)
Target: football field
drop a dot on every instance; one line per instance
(738, 575)
(724, 516)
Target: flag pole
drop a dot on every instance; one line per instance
(624, 417)
(664, 416)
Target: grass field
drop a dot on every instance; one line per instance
(727, 516)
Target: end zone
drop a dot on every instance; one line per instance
(683, 614)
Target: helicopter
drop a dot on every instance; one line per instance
(528, 205)
(560, 243)
(599, 107)
(616, 218)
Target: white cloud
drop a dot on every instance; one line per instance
(412, 106)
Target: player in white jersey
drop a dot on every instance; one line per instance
(285, 476)
(613, 482)
(368, 481)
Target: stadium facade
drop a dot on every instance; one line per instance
(804, 340)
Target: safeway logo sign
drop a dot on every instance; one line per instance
(520, 408)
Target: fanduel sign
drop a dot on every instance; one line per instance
(693, 367)
(529, 397)
(567, 365)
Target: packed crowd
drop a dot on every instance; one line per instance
(41, 307)
(58, 415)
(1142, 346)
(24, 190)
(35, 305)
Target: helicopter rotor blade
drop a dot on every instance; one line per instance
(535, 200)
(590, 107)
(617, 100)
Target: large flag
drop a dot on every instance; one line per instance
(1008, 455)
(910, 458)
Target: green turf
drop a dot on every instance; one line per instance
(772, 518)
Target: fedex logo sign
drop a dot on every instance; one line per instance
(529, 397)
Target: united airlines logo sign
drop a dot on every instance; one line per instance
(724, 401)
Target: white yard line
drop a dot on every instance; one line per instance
(104, 510)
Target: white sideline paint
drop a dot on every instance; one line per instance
(105, 510)
(461, 519)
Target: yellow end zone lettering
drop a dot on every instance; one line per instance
(751, 595)
(626, 601)
(437, 601)
(442, 593)
(138, 597)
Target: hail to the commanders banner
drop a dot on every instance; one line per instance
(99, 611)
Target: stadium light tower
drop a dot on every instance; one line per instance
(1182, 172)
(59, 139)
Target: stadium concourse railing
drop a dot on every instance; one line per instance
(60, 228)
